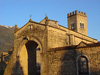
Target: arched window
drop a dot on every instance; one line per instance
(83, 66)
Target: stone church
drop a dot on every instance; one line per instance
(47, 48)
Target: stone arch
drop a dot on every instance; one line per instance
(31, 52)
(24, 41)
(82, 65)
(27, 43)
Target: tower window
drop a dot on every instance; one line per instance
(72, 26)
(82, 25)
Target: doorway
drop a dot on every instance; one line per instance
(31, 47)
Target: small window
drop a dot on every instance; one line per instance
(72, 26)
(29, 27)
(69, 39)
(82, 25)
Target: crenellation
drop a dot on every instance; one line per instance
(75, 18)
(76, 13)
(73, 12)
(82, 13)
(79, 12)
(70, 14)
(85, 14)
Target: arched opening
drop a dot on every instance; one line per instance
(31, 47)
(83, 66)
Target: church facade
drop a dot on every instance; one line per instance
(47, 48)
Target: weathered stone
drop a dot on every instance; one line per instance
(56, 48)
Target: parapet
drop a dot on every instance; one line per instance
(76, 13)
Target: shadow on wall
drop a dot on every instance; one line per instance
(17, 70)
(33, 66)
(70, 64)
(2, 66)
(1, 72)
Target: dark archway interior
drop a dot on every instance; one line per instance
(31, 50)
(83, 65)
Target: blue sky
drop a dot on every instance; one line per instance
(18, 11)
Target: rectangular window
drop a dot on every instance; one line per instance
(72, 26)
(69, 39)
(82, 25)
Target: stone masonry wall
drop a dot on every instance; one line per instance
(59, 37)
(56, 38)
(93, 55)
(33, 32)
(62, 62)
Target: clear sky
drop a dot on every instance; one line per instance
(18, 11)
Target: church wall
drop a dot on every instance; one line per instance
(56, 38)
(72, 20)
(93, 56)
(65, 62)
(52, 62)
(78, 35)
(23, 58)
(24, 34)
(43, 21)
(62, 62)
(59, 37)
(38, 32)
(53, 23)
(82, 19)
(77, 40)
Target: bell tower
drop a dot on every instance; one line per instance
(77, 21)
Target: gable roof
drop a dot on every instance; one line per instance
(59, 27)
(30, 21)
(81, 44)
